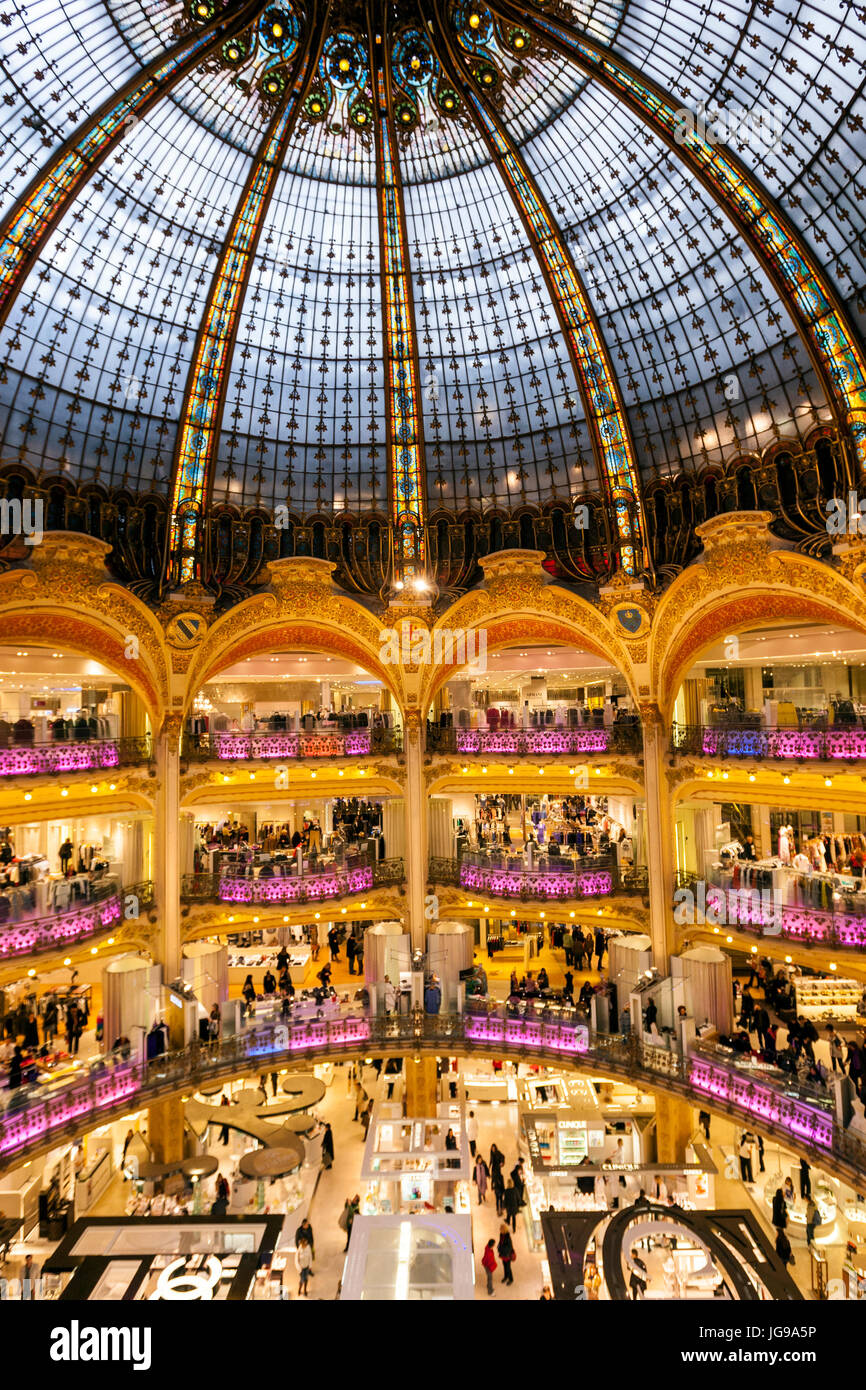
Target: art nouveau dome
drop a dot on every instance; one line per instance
(707, 338)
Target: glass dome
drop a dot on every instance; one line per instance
(710, 351)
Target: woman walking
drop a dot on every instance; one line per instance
(482, 1173)
(505, 1250)
(488, 1264)
(304, 1265)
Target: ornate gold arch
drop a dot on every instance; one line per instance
(746, 578)
(303, 608)
(517, 604)
(67, 600)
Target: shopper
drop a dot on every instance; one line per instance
(328, 1147)
(360, 1096)
(224, 1132)
(813, 1219)
(497, 1182)
(760, 1023)
(29, 1279)
(497, 1160)
(568, 945)
(249, 991)
(351, 946)
(74, 1028)
(14, 1075)
(780, 1210)
(511, 1202)
(488, 1264)
(599, 946)
(304, 1265)
(518, 1179)
(214, 1023)
(568, 987)
(305, 1231)
(451, 1140)
(480, 1177)
(761, 1153)
(506, 1252)
(580, 948)
(783, 1248)
(837, 1055)
(472, 1132)
(545, 1296)
(366, 1117)
(805, 1179)
(637, 1277)
(347, 1216)
(745, 1153)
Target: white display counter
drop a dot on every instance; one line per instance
(409, 1259)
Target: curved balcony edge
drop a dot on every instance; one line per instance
(59, 932)
(33, 1123)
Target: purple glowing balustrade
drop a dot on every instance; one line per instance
(286, 890)
(533, 741)
(512, 883)
(800, 745)
(750, 908)
(524, 1032)
(238, 747)
(20, 1128)
(768, 1102)
(57, 757)
(24, 938)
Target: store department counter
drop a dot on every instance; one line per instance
(254, 959)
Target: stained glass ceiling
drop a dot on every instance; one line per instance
(708, 354)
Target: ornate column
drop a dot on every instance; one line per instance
(165, 1130)
(421, 1087)
(674, 1128)
(166, 865)
(415, 804)
(659, 833)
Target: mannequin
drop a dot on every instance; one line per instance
(785, 843)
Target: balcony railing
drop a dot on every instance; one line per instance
(33, 1116)
(35, 759)
(562, 878)
(842, 744)
(311, 887)
(762, 916)
(275, 746)
(106, 907)
(619, 738)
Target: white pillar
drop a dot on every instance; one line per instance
(415, 832)
(166, 868)
(659, 831)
